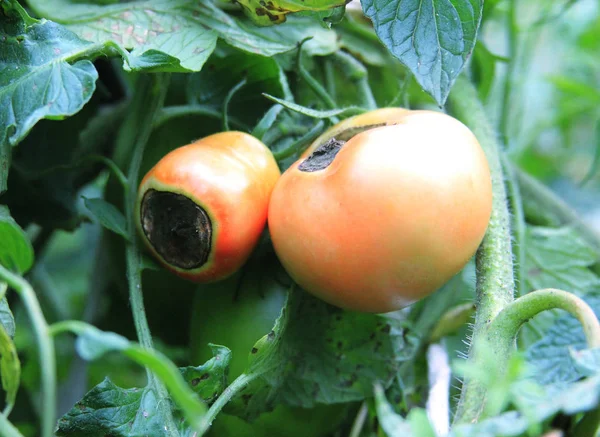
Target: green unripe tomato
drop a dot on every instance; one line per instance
(237, 317)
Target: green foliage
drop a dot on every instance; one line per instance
(432, 38)
(82, 118)
(16, 251)
(42, 77)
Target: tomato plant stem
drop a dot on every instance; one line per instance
(169, 113)
(512, 317)
(227, 100)
(357, 72)
(547, 209)
(304, 141)
(45, 348)
(148, 98)
(359, 421)
(7, 429)
(235, 387)
(518, 225)
(495, 282)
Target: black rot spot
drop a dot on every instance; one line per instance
(254, 350)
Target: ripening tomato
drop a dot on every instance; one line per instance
(202, 207)
(382, 213)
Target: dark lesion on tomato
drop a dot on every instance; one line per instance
(322, 157)
(177, 228)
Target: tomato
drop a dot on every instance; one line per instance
(384, 213)
(202, 207)
(237, 317)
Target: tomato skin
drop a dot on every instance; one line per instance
(353, 125)
(398, 212)
(230, 175)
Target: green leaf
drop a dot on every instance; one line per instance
(16, 252)
(176, 52)
(38, 80)
(10, 367)
(314, 113)
(50, 166)
(7, 321)
(333, 359)
(484, 70)
(274, 12)
(172, 35)
(209, 379)
(107, 215)
(359, 39)
(555, 258)
(110, 410)
(507, 424)
(115, 411)
(559, 258)
(433, 38)
(550, 357)
(212, 84)
(91, 344)
(415, 425)
(6, 317)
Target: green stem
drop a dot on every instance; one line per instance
(508, 322)
(510, 72)
(170, 112)
(266, 122)
(359, 421)
(234, 388)
(149, 95)
(296, 146)
(550, 210)
(495, 282)
(517, 225)
(314, 84)
(227, 100)
(330, 78)
(357, 73)
(45, 343)
(7, 429)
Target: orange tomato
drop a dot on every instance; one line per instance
(202, 207)
(386, 217)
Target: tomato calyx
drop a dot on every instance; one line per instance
(322, 157)
(177, 228)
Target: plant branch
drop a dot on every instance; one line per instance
(296, 146)
(7, 429)
(45, 344)
(235, 387)
(512, 317)
(359, 421)
(148, 98)
(495, 282)
(170, 112)
(517, 225)
(357, 73)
